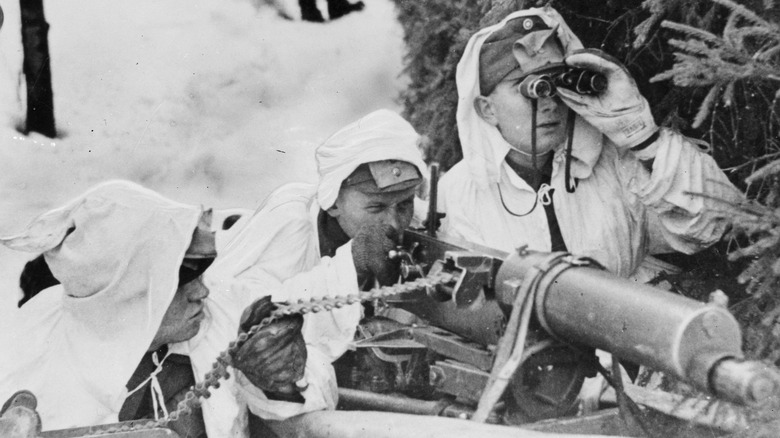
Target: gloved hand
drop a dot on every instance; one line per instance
(619, 112)
(274, 359)
(370, 248)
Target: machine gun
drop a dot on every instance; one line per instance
(571, 306)
(517, 333)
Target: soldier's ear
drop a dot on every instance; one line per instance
(334, 211)
(483, 105)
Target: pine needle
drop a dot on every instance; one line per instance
(706, 107)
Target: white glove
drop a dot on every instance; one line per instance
(619, 112)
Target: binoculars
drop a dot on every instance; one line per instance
(581, 81)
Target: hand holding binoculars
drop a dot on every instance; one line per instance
(546, 82)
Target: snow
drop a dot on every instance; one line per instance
(212, 102)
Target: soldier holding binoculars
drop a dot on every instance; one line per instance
(561, 153)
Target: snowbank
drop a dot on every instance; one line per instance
(210, 102)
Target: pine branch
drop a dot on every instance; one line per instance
(743, 12)
(693, 32)
(754, 31)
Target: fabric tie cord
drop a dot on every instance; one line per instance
(158, 398)
(543, 195)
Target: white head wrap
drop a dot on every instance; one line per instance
(116, 249)
(484, 149)
(381, 135)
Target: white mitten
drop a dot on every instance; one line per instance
(619, 112)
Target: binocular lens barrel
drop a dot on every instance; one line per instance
(535, 87)
(574, 79)
(581, 81)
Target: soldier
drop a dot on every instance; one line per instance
(127, 264)
(125, 332)
(560, 170)
(321, 240)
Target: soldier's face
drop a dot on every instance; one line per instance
(183, 317)
(508, 110)
(354, 209)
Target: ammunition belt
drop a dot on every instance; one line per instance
(224, 360)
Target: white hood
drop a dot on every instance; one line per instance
(116, 251)
(381, 135)
(484, 149)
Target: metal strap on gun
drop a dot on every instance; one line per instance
(511, 348)
(220, 367)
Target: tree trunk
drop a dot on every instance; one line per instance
(37, 70)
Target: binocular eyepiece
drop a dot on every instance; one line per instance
(581, 81)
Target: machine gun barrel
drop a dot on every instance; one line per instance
(578, 303)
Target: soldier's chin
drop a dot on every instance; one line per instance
(195, 327)
(192, 329)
